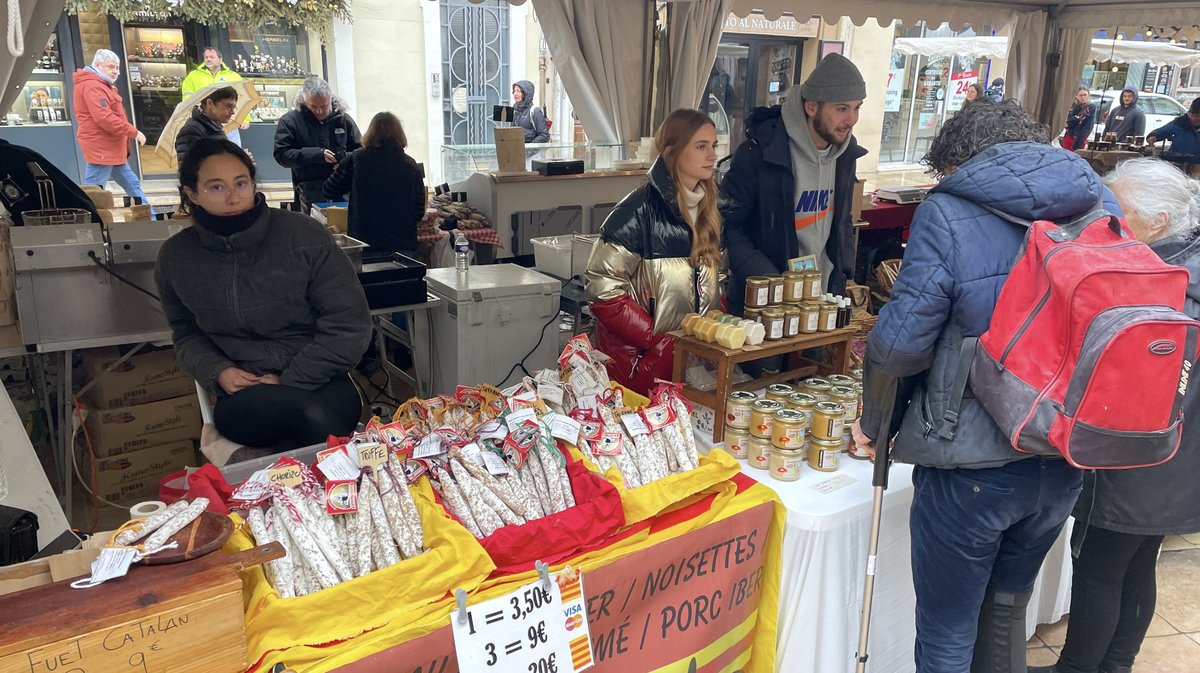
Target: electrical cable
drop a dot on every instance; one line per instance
(521, 362)
(108, 267)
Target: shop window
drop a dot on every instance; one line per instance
(44, 98)
(474, 68)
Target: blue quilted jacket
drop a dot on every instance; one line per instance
(956, 261)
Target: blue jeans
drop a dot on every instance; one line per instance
(974, 529)
(95, 174)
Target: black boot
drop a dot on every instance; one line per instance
(1000, 640)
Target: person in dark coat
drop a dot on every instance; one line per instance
(265, 310)
(658, 255)
(1183, 131)
(1080, 120)
(527, 115)
(1126, 120)
(995, 92)
(386, 188)
(983, 515)
(1123, 515)
(790, 185)
(208, 120)
(313, 138)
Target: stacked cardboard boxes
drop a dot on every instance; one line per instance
(142, 423)
(106, 205)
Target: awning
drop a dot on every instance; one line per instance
(1139, 51)
(934, 12)
(975, 47)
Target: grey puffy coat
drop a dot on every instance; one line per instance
(279, 297)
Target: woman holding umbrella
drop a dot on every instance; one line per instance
(208, 120)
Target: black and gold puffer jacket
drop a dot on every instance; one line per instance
(641, 282)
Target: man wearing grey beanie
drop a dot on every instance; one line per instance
(789, 187)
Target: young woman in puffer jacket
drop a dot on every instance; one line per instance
(658, 255)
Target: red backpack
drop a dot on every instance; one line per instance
(1088, 354)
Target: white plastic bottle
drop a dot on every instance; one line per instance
(462, 252)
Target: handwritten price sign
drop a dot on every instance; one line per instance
(523, 631)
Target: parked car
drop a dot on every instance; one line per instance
(1159, 109)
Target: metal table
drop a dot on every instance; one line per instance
(418, 323)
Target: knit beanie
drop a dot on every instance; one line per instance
(834, 79)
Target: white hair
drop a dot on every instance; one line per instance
(315, 86)
(104, 56)
(1151, 187)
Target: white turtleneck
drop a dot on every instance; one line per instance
(693, 199)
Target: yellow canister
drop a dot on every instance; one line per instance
(785, 463)
(759, 453)
(758, 291)
(737, 409)
(823, 454)
(737, 442)
(762, 418)
(793, 287)
(848, 398)
(827, 421)
(789, 429)
(810, 318)
(780, 392)
(817, 387)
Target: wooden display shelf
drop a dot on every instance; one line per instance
(798, 366)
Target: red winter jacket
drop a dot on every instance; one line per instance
(104, 131)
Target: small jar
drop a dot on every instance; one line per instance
(791, 321)
(858, 392)
(776, 290)
(762, 418)
(845, 396)
(780, 392)
(802, 402)
(827, 322)
(772, 320)
(853, 450)
(737, 442)
(793, 287)
(810, 318)
(856, 374)
(817, 387)
(823, 454)
(812, 284)
(758, 291)
(754, 314)
(827, 421)
(759, 453)
(785, 463)
(737, 409)
(789, 429)
(840, 380)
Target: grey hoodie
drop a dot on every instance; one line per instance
(529, 117)
(814, 172)
(1125, 120)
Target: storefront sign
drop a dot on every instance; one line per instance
(895, 90)
(960, 82)
(688, 603)
(930, 89)
(756, 23)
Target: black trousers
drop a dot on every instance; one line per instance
(284, 417)
(1113, 590)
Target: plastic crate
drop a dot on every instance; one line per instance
(552, 255)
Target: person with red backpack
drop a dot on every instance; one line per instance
(1123, 515)
(983, 514)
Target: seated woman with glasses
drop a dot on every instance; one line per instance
(266, 311)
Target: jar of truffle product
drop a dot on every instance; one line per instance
(737, 409)
(823, 454)
(791, 321)
(848, 398)
(737, 442)
(776, 290)
(759, 453)
(802, 402)
(810, 318)
(817, 387)
(827, 421)
(779, 392)
(772, 320)
(762, 418)
(793, 287)
(789, 429)
(758, 291)
(785, 464)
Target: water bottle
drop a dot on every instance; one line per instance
(462, 252)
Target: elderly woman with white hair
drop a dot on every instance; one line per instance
(1123, 515)
(313, 138)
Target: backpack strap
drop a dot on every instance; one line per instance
(1069, 228)
(958, 388)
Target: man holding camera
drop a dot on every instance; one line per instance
(313, 138)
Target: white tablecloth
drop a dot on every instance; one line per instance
(824, 561)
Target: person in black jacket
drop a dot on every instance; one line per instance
(1123, 515)
(789, 187)
(386, 187)
(527, 115)
(208, 120)
(313, 138)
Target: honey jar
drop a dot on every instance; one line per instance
(823, 454)
(817, 387)
(793, 287)
(785, 464)
(802, 402)
(737, 409)
(827, 421)
(754, 314)
(759, 453)
(791, 321)
(827, 320)
(810, 318)
(772, 320)
(812, 284)
(848, 398)
(776, 290)
(789, 429)
(839, 380)
(780, 392)
(762, 418)
(758, 291)
(737, 442)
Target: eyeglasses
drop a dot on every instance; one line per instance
(222, 191)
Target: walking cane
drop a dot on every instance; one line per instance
(879, 480)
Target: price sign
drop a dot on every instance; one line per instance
(523, 631)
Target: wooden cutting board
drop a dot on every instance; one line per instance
(206, 534)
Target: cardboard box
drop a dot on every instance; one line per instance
(147, 376)
(67, 565)
(107, 474)
(138, 213)
(124, 429)
(856, 200)
(99, 196)
(337, 219)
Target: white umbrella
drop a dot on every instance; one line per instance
(248, 99)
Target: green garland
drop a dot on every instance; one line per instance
(299, 13)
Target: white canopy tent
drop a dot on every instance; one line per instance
(1143, 51)
(975, 47)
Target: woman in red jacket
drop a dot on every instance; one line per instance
(658, 254)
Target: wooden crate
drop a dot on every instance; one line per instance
(181, 618)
